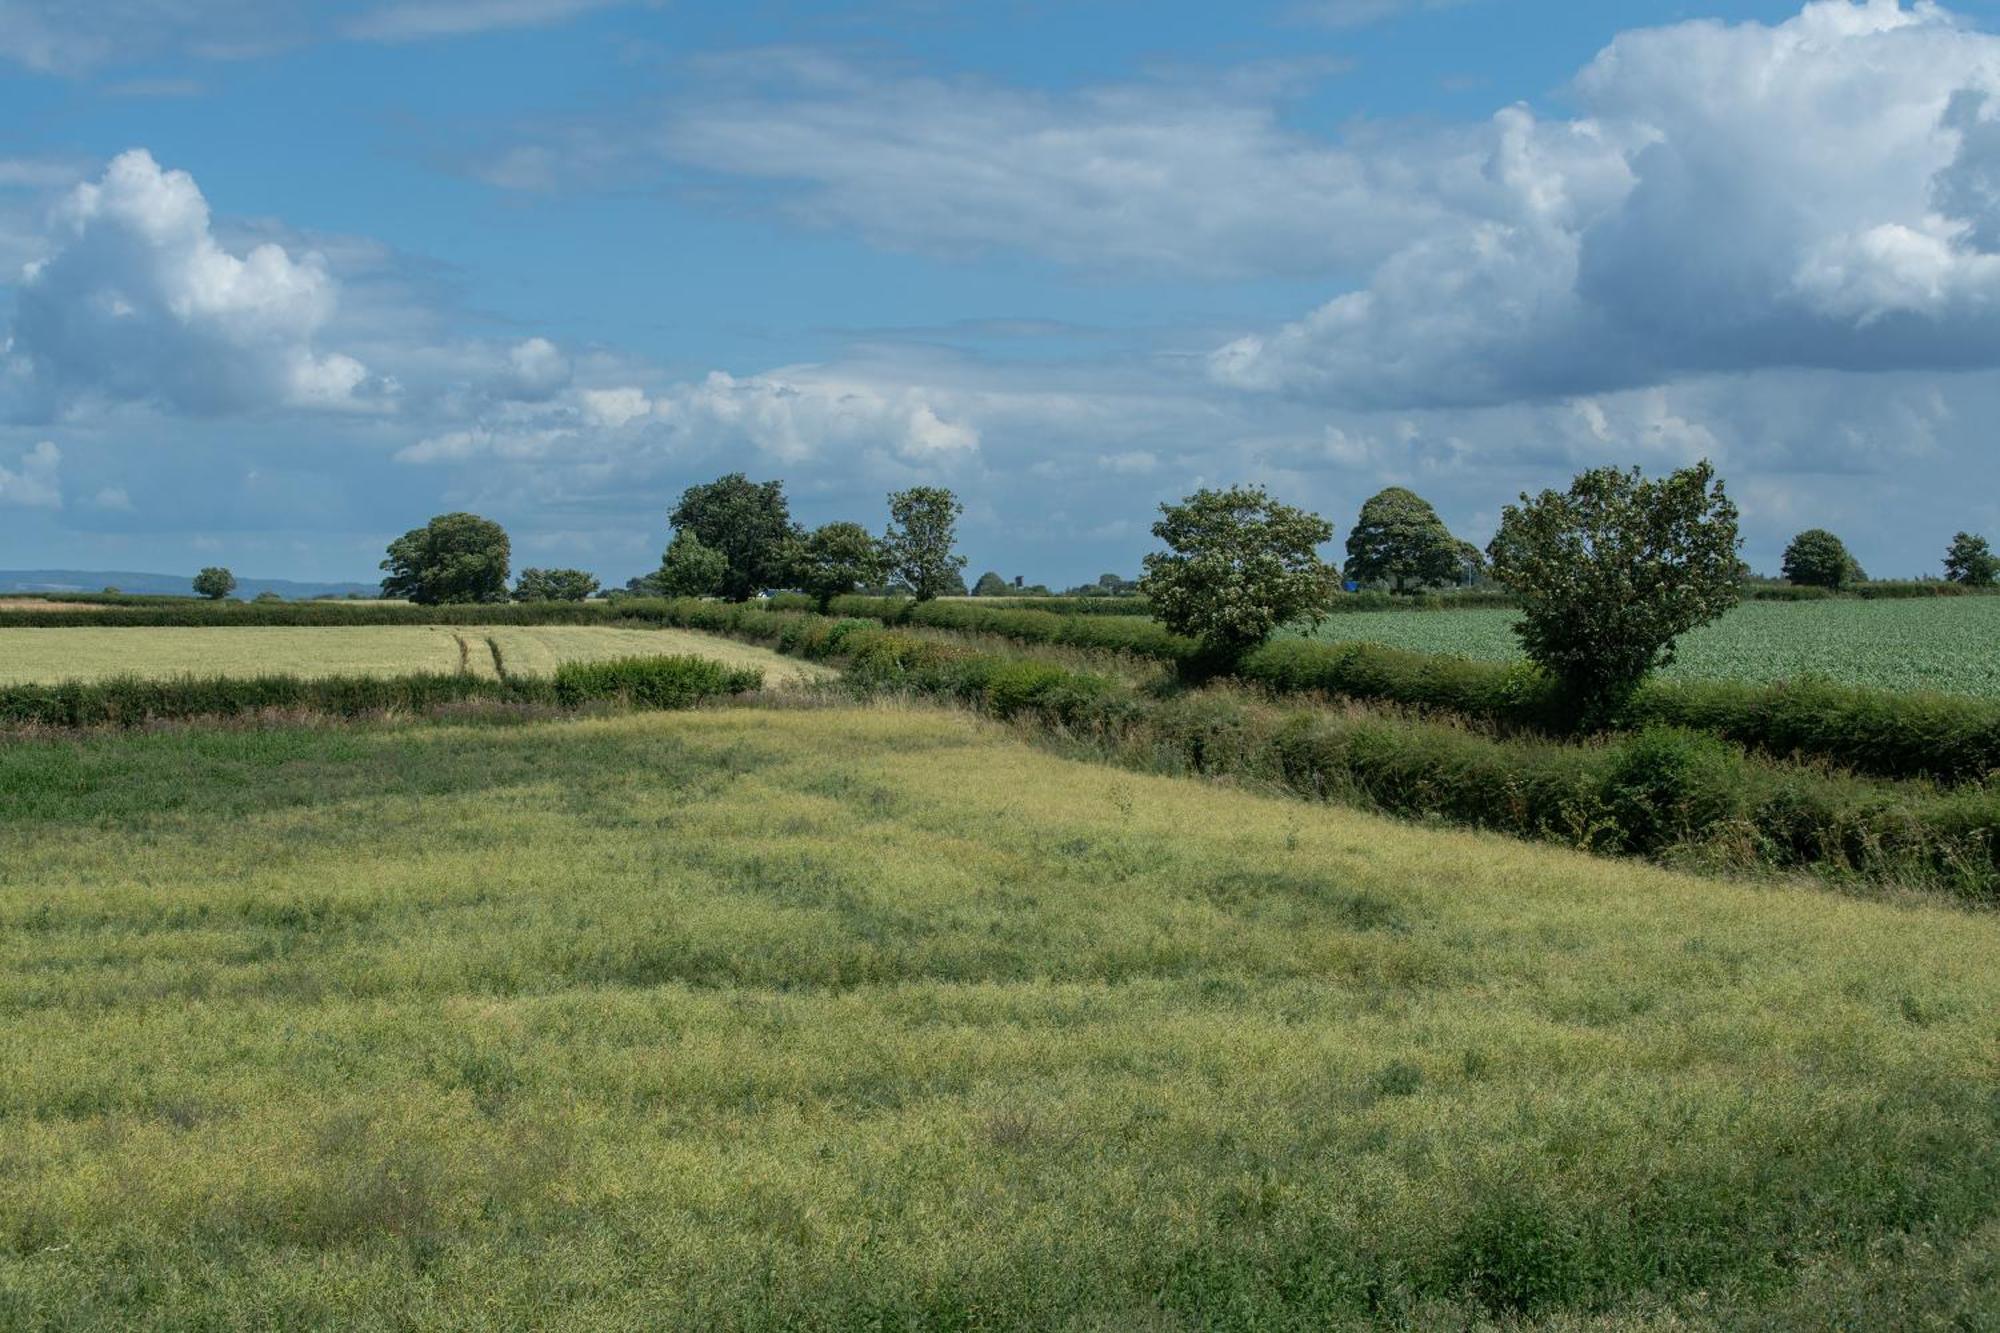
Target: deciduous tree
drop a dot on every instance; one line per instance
(1238, 565)
(1399, 540)
(749, 523)
(923, 529)
(214, 583)
(453, 558)
(835, 559)
(1612, 571)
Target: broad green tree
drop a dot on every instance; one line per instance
(1611, 572)
(991, 584)
(1238, 565)
(749, 523)
(1818, 559)
(834, 560)
(690, 568)
(554, 585)
(214, 583)
(1971, 561)
(1399, 540)
(923, 529)
(453, 558)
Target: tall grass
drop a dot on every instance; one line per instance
(872, 1019)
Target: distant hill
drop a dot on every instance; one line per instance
(180, 585)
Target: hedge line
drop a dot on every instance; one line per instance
(652, 682)
(1884, 733)
(1660, 792)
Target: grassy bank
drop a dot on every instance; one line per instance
(872, 1019)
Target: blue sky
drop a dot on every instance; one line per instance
(279, 281)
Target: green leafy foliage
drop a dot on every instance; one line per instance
(554, 585)
(214, 583)
(835, 559)
(1611, 572)
(748, 523)
(653, 682)
(456, 557)
(1818, 559)
(690, 568)
(923, 529)
(1400, 541)
(1970, 561)
(1238, 565)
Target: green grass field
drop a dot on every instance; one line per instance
(1947, 644)
(865, 1018)
(30, 656)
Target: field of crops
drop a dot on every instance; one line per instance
(1945, 644)
(45, 655)
(870, 1018)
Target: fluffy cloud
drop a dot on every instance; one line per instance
(32, 482)
(802, 416)
(139, 302)
(1822, 195)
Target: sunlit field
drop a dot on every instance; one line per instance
(90, 653)
(876, 1018)
(1947, 644)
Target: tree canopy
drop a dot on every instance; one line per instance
(1399, 540)
(1612, 571)
(1818, 559)
(454, 558)
(214, 583)
(1238, 565)
(690, 568)
(835, 560)
(748, 523)
(923, 529)
(554, 585)
(1970, 560)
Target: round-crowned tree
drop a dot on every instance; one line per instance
(1238, 565)
(1818, 559)
(1970, 560)
(1612, 571)
(1400, 541)
(214, 583)
(748, 522)
(833, 560)
(453, 558)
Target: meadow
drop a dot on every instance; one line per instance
(871, 1017)
(40, 656)
(1951, 645)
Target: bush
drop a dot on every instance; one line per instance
(1611, 572)
(653, 682)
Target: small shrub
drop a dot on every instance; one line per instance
(652, 682)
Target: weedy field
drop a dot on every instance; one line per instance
(29, 656)
(1946, 644)
(879, 1018)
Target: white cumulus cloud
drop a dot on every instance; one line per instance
(138, 301)
(1815, 193)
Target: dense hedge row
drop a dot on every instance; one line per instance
(1884, 733)
(1661, 792)
(654, 682)
(1888, 734)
